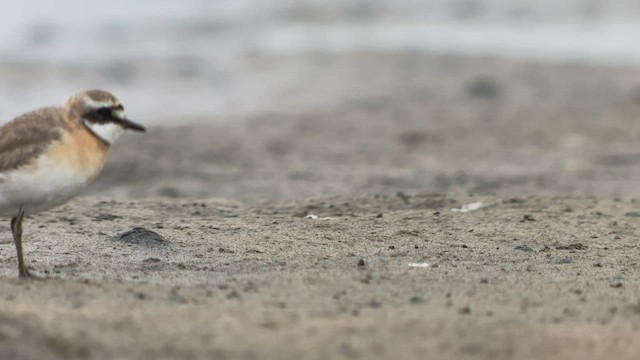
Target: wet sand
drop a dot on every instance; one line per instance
(329, 233)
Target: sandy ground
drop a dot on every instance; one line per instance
(546, 268)
(408, 122)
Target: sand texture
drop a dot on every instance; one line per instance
(330, 233)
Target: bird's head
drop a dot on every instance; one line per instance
(102, 113)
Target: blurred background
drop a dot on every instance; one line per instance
(276, 99)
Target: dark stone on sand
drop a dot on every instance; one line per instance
(574, 246)
(142, 236)
(466, 310)
(525, 248)
(566, 260)
(527, 217)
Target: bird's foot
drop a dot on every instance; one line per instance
(25, 274)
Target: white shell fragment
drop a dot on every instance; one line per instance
(468, 207)
(419, 265)
(314, 217)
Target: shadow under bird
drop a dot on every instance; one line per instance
(48, 156)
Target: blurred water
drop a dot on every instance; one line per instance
(192, 59)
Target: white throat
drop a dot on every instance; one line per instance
(109, 132)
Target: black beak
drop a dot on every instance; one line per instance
(130, 125)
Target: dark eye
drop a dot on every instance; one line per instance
(104, 112)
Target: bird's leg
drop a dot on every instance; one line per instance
(16, 229)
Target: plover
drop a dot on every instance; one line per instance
(49, 156)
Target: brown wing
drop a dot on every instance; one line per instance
(27, 136)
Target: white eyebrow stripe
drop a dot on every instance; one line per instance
(97, 104)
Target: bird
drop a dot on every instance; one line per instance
(50, 155)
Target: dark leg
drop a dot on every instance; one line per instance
(16, 229)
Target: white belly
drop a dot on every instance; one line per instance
(39, 188)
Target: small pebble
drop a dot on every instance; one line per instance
(142, 236)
